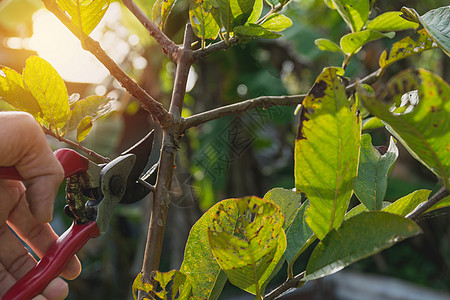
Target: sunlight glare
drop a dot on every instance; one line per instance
(56, 44)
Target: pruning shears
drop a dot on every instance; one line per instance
(92, 192)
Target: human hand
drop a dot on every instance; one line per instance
(28, 210)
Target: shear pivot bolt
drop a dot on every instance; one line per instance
(115, 185)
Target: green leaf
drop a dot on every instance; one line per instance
(93, 106)
(225, 16)
(391, 21)
(298, 235)
(203, 18)
(138, 284)
(13, 91)
(372, 123)
(327, 151)
(249, 252)
(424, 126)
(435, 22)
(255, 31)
(160, 12)
(354, 12)
(199, 264)
(277, 22)
(371, 183)
(361, 208)
(84, 128)
(48, 89)
(180, 285)
(408, 203)
(85, 14)
(441, 204)
(407, 47)
(360, 236)
(241, 11)
(351, 43)
(327, 45)
(256, 12)
(287, 201)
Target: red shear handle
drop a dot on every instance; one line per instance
(71, 161)
(54, 261)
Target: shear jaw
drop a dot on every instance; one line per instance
(113, 185)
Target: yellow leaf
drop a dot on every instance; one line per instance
(84, 128)
(49, 89)
(94, 106)
(13, 91)
(85, 14)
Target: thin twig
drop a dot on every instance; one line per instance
(289, 284)
(155, 108)
(264, 101)
(88, 151)
(167, 45)
(423, 207)
(369, 79)
(222, 45)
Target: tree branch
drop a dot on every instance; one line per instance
(423, 207)
(289, 284)
(170, 145)
(264, 101)
(88, 151)
(167, 45)
(155, 108)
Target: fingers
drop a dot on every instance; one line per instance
(15, 262)
(28, 150)
(57, 289)
(38, 236)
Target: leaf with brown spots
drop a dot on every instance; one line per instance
(435, 23)
(249, 252)
(418, 116)
(160, 12)
(407, 47)
(327, 151)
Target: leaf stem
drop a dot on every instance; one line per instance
(88, 151)
(288, 284)
(423, 207)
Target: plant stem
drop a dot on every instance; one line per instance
(264, 101)
(88, 151)
(222, 45)
(423, 207)
(171, 135)
(155, 108)
(288, 284)
(167, 45)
